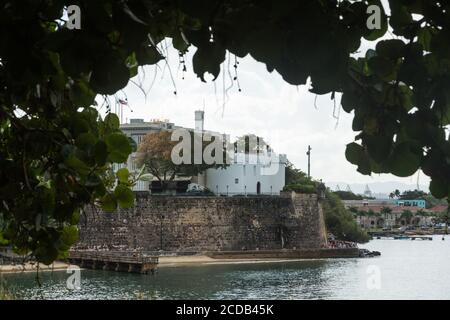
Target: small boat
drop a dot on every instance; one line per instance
(401, 237)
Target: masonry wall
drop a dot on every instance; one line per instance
(196, 224)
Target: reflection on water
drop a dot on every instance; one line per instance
(408, 270)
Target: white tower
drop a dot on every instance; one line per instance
(199, 127)
(199, 120)
(367, 191)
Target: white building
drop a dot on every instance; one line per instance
(249, 174)
(262, 173)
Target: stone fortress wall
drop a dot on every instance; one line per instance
(199, 224)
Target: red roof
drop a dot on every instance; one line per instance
(440, 208)
(400, 209)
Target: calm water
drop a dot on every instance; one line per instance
(408, 270)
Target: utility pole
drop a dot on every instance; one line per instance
(308, 153)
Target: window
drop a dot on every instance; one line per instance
(254, 170)
(236, 180)
(137, 138)
(245, 171)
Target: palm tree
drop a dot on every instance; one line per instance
(395, 194)
(371, 214)
(407, 215)
(421, 213)
(360, 214)
(385, 211)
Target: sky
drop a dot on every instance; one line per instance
(288, 117)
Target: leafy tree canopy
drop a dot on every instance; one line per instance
(296, 176)
(413, 194)
(154, 153)
(340, 221)
(55, 150)
(251, 143)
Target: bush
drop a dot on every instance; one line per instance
(3, 241)
(300, 188)
(340, 221)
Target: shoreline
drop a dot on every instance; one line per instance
(28, 267)
(164, 262)
(212, 258)
(204, 260)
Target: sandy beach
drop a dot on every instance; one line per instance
(28, 267)
(168, 261)
(202, 260)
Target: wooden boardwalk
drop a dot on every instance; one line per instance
(121, 261)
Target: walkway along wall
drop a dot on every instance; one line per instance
(198, 224)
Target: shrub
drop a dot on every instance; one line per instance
(300, 188)
(340, 221)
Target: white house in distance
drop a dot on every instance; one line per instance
(262, 173)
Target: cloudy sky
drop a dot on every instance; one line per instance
(288, 117)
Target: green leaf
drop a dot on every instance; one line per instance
(112, 121)
(353, 152)
(123, 175)
(378, 147)
(382, 67)
(109, 203)
(148, 55)
(146, 177)
(86, 141)
(404, 160)
(392, 49)
(109, 75)
(81, 95)
(208, 59)
(46, 254)
(75, 163)
(179, 43)
(124, 196)
(119, 147)
(424, 36)
(69, 236)
(101, 153)
(133, 144)
(439, 188)
(356, 155)
(400, 19)
(75, 219)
